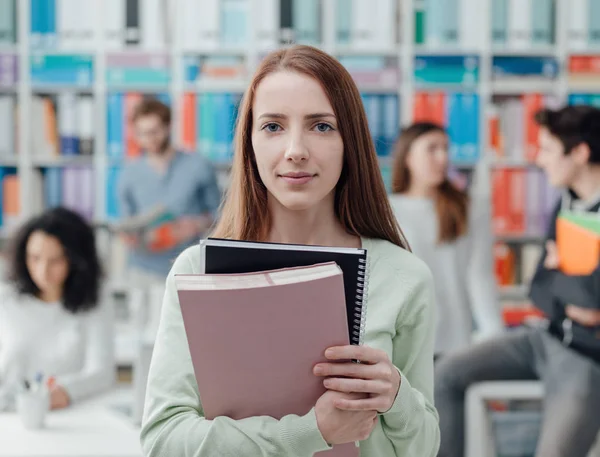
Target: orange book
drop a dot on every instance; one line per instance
(532, 104)
(578, 243)
(495, 135)
(11, 199)
(504, 263)
(132, 148)
(500, 203)
(516, 189)
(579, 64)
(421, 107)
(437, 106)
(50, 126)
(188, 122)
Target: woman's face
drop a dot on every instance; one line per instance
(298, 148)
(427, 160)
(46, 262)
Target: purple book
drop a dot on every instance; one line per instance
(155, 60)
(8, 70)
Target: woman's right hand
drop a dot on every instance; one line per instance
(338, 426)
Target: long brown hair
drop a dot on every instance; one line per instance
(452, 204)
(361, 203)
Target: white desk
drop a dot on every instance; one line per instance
(89, 429)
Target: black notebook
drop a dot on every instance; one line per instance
(220, 256)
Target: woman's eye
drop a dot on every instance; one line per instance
(271, 127)
(323, 127)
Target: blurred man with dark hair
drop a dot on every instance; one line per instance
(566, 355)
(175, 188)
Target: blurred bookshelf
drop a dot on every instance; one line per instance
(71, 71)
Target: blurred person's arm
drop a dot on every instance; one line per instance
(98, 372)
(127, 206)
(481, 281)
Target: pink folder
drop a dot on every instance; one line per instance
(253, 347)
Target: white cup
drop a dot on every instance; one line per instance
(32, 406)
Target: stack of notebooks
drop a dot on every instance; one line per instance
(261, 315)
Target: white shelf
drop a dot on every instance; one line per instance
(544, 51)
(517, 292)
(585, 87)
(142, 88)
(425, 50)
(224, 51)
(60, 87)
(62, 161)
(523, 86)
(521, 239)
(10, 161)
(215, 85)
(61, 52)
(346, 51)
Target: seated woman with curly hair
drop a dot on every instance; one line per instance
(52, 319)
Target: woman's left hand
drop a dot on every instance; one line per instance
(375, 376)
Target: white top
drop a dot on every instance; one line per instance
(463, 271)
(35, 336)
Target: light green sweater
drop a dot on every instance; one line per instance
(400, 320)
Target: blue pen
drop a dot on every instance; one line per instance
(39, 378)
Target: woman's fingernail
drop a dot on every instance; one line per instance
(328, 352)
(318, 369)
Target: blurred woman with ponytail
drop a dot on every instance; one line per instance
(451, 231)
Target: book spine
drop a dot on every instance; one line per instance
(132, 22)
(306, 23)
(152, 25)
(286, 21)
(266, 21)
(85, 117)
(542, 22)
(578, 27)
(499, 21)
(594, 22)
(343, 17)
(114, 23)
(50, 20)
(519, 23)
(420, 20)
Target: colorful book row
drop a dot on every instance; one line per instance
(522, 201)
(459, 114)
(62, 125)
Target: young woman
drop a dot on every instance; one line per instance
(51, 318)
(305, 171)
(450, 231)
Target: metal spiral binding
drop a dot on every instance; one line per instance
(360, 311)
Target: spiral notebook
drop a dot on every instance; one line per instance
(233, 256)
(255, 337)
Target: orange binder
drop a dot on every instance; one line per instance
(578, 243)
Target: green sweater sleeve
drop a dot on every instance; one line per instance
(173, 422)
(411, 424)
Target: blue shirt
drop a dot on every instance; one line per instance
(187, 188)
